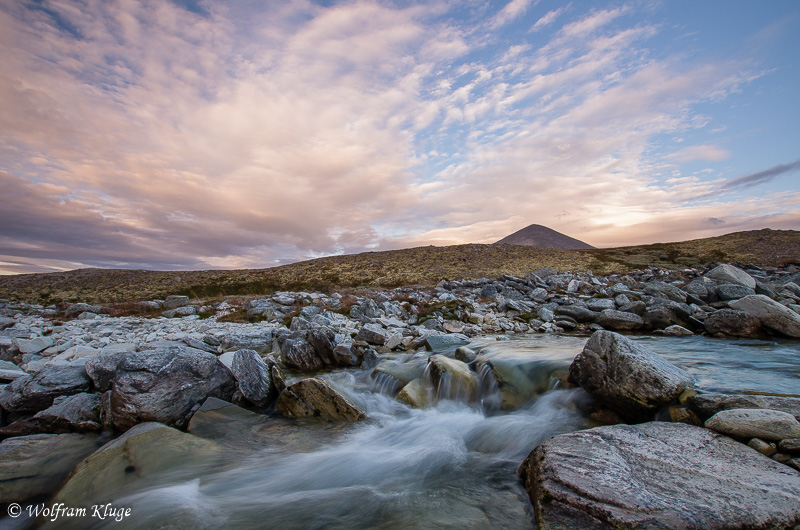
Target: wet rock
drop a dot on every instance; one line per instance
(77, 413)
(415, 394)
(758, 423)
(37, 392)
(452, 378)
(732, 323)
(657, 475)
(681, 414)
(464, 354)
(253, 375)
(165, 385)
(145, 452)
(709, 404)
(391, 376)
(440, 343)
(726, 273)
(519, 378)
(315, 398)
(220, 420)
(628, 377)
(31, 466)
(344, 355)
(770, 313)
(619, 320)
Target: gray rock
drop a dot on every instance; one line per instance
(790, 445)
(726, 273)
(733, 323)
(579, 313)
(599, 304)
(657, 475)
(10, 371)
(35, 465)
(440, 343)
(259, 339)
(35, 393)
(732, 291)
(253, 375)
(77, 309)
(662, 316)
(465, 354)
(619, 320)
(415, 394)
(755, 423)
(76, 413)
(34, 345)
(101, 369)
(677, 331)
(770, 313)
(709, 404)
(6, 322)
(665, 290)
(323, 341)
(628, 377)
(298, 354)
(200, 345)
(183, 311)
(452, 379)
(142, 453)
(344, 355)
(165, 385)
(373, 334)
(317, 399)
(173, 301)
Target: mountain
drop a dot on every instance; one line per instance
(541, 236)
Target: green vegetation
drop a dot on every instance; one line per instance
(409, 267)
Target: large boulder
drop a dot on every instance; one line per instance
(579, 313)
(143, 453)
(770, 313)
(726, 273)
(629, 378)
(658, 475)
(315, 398)
(298, 354)
(665, 290)
(253, 375)
(733, 323)
(258, 339)
(165, 385)
(709, 404)
(765, 424)
(37, 392)
(35, 465)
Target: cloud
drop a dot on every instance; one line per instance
(512, 10)
(547, 19)
(761, 177)
(700, 152)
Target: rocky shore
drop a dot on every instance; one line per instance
(95, 388)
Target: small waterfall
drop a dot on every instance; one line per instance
(384, 384)
(488, 390)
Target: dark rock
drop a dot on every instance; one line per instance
(165, 385)
(373, 334)
(298, 354)
(102, 369)
(344, 356)
(37, 392)
(770, 313)
(200, 345)
(322, 340)
(619, 320)
(665, 290)
(77, 413)
(733, 323)
(628, 377)
(77, 309)
(579, 313)
(259, 340)
(253, 375)
(732, 291)
(173, 301)
(657, 475)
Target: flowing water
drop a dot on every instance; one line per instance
(451, 465)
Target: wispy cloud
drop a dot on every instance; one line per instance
(710, 153)
(512, 10)
(762, 177)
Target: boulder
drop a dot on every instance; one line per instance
(77, 309)
(146, 451)
(315, 398)
(173, 301)
(35, 465)
(259, 339)
(253, 375)
(677, 331)
(619, 320)
(37, 392)
(35, 345)
(391, 376)
(755, 423)
(665, 290)
(657, 475)
(442, 343)
(298, 354)
(732, 291)
(726, 273)
(165, 385)
(323, 340)
(102, 369)
(733, 323)
(373, 334)
(629, 378)
(709, 404)
(770, 313)
(415, 394)
(77, 413)
(452, 379)
(579, 313)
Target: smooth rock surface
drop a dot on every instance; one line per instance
(755, 423)
(657, 475)
(709, 404)
(35, 393)
(727, 273)
(619, 320)
(770, 313)
(315, 398)
(629, 378)
(452, 379)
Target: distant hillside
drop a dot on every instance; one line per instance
(395, 268)
(541, 236)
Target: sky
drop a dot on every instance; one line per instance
(194, 134)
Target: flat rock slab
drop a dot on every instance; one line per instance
(770, 313)
(658, 475)
(709, 404)
(315, 398)
(755, 423)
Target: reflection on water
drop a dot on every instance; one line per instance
(452, 465)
